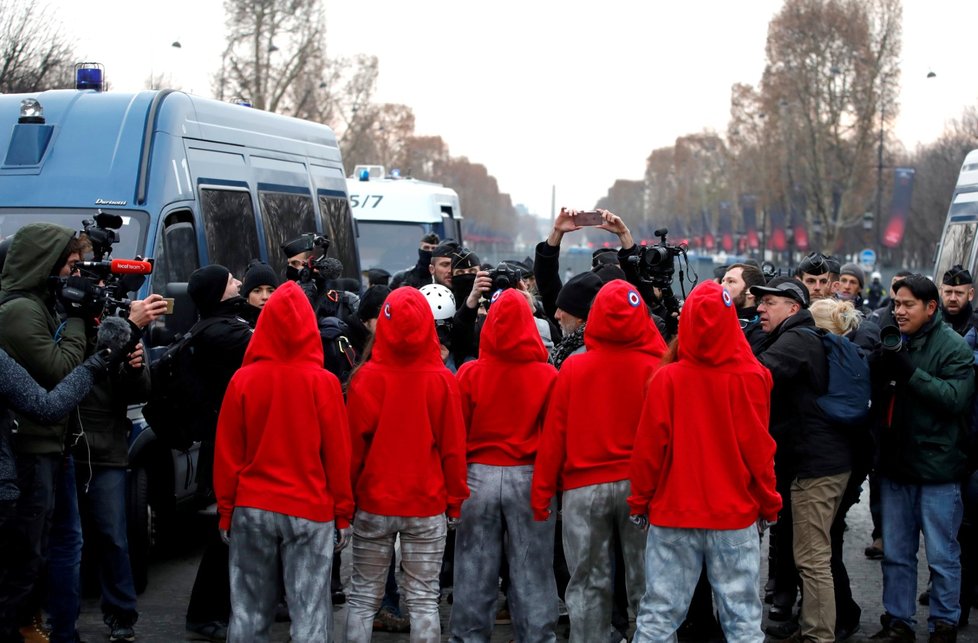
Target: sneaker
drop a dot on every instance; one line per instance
(388, 621)
(209, 631)
(875, 551)
(944, 633)
(120, 629)
(894, 631)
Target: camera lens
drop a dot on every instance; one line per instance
(890, 338)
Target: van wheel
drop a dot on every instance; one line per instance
(141, 527)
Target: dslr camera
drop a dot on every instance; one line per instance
(656, 264)
(317, 244)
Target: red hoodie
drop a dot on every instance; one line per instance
(703, 456)
(283, 443)
(596, 403)
(505, 391)
(406, 418)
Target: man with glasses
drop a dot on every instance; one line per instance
(814, 457)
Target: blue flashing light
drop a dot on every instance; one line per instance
(364, 174)
(395, 173)
(89, 76)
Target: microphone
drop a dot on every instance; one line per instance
(113, 334)
(116, 266)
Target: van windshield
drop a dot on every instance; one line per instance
(388, 245)
(131, 236)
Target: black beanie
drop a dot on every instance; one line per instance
(609, 272)
(258, 274)
(371, 301)
(207, 285)
(578, 293)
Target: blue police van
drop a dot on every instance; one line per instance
(195, 181)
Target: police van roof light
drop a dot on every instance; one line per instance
(395, 173)
(365, 174)
(89, 76)
(31, 111)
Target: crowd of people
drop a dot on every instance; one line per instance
(580, 447)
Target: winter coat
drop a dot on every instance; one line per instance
(597, 399)
(809, 445)
(283, 442)
(703, 457)
(30, 330)
(505, 392)
(20, 393)
(408, 435)
(923, 438)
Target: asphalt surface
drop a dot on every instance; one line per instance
(163, 605)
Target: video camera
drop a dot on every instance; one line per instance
(110, 280)
(656, 265)
(317, 244)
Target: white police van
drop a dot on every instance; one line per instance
(393, 213)
(958, 239)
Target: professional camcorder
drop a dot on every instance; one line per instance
(106, 282)
(657, 265)
(319, 263)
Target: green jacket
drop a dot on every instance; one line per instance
(925, 442)
(30, 330)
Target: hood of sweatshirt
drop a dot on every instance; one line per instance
(510, 333)
(33, 252)
(286, 330)
(406, 331)
(619, 320)
(709, 329)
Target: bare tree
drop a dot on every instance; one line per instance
(34, 52)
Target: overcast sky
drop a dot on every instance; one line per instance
(543, 93)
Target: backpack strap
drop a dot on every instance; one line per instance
(13, 294)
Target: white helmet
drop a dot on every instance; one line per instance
(876, 275)
(441, 300)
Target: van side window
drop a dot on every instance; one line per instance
(284, 217)
(338, 224)
(229, 227)
(176, 250)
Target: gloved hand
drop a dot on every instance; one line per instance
(898, 365)
(77, 295)
(640, 520)
(103, 362)
(343, 536)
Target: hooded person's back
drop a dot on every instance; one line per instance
(28, 323)
(504, 392)
(703, 456)
(597, 399)
(405, 415)
(283, 440)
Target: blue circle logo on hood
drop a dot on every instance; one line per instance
(495, 296)
(387, 311)
(634, 299)
(727, 299)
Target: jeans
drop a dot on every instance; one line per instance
(64, 556)
(815, 502)
(103, 506)
(497, 507)
(259, 541)
(422, 548)
(936, 510)
(31, 526)
(591, 515)
(673, 561)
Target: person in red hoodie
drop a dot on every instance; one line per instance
(504, 396)
(586, 444)
(282, 473)
(703, 473)
(408, 466)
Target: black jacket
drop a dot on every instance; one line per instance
(809, 446)
(219, 349)
(963, 321)
(750, 323)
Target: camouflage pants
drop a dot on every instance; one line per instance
(591, 517)
(260, 542)
(497, 509)
(422, 547)
(674, 559)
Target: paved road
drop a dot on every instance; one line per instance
(163, 605)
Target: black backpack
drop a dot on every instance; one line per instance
(339, 356)
(178, 410)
